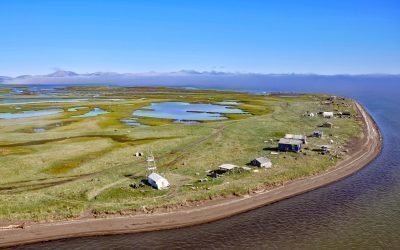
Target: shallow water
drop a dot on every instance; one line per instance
(186, 111)
(132, 122)
(229, 102)
(92, 113)
(361, 211)
(28, 114)
(38, 100)
(74, 109)
(39, 130)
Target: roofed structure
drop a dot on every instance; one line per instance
(302, 138)
(293, 145)
(157, 181)
(327, 114)
(262, 162)
(327, 125)
(228, 167)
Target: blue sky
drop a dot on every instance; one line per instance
(310, 36)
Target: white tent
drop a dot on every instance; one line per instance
(157, 181)
(327, 114)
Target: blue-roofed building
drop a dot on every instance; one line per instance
(289, 145)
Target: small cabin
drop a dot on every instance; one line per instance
(302, 138)
(262, 162)
(327, 125)
(291, 145)
(327, 114)
(157, 181)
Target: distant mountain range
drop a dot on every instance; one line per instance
(65, 77)
(186, 78)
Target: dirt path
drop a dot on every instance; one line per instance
(368, 149)
(184, 149)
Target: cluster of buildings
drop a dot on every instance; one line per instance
(260, 162)
(289, 143)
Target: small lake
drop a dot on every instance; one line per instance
(93, 112)
(38, 100)
(132, 122)
(31, 113)
(228, 102)
(74, 109)
(187, 111)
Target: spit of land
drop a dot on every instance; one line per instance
(78, 166)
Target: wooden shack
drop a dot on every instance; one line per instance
(262, 162)
(327, 125)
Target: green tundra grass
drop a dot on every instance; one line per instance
(83, 166)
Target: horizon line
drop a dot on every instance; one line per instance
(188, 72)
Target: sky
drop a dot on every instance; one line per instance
(285, 36)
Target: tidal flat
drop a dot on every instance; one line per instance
(82, 166)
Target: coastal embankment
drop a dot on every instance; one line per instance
(363, 151)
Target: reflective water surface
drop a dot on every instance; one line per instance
(92, 113)
(362, 211)
(186, 111)
(31, 113)
(39, 100)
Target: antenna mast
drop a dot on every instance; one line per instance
(151, 163)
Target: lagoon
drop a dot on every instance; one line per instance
(187, 111)
(31, 113)
(39, 100)
(132, 122)
(92, 113)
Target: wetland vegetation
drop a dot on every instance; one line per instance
(82, 165)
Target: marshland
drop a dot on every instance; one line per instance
(74, 157)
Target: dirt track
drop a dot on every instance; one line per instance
(369, 148)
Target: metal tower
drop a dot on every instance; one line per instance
(151, 163)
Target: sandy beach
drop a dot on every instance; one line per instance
(363, 151)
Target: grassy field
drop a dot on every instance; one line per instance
(83, 166)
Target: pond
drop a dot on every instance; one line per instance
(38, 100)
(93, 112)
(132, 122)
(74, 109)
(39, 130)
(31, 113)
(187, 111)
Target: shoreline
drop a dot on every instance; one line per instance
(369, 148)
